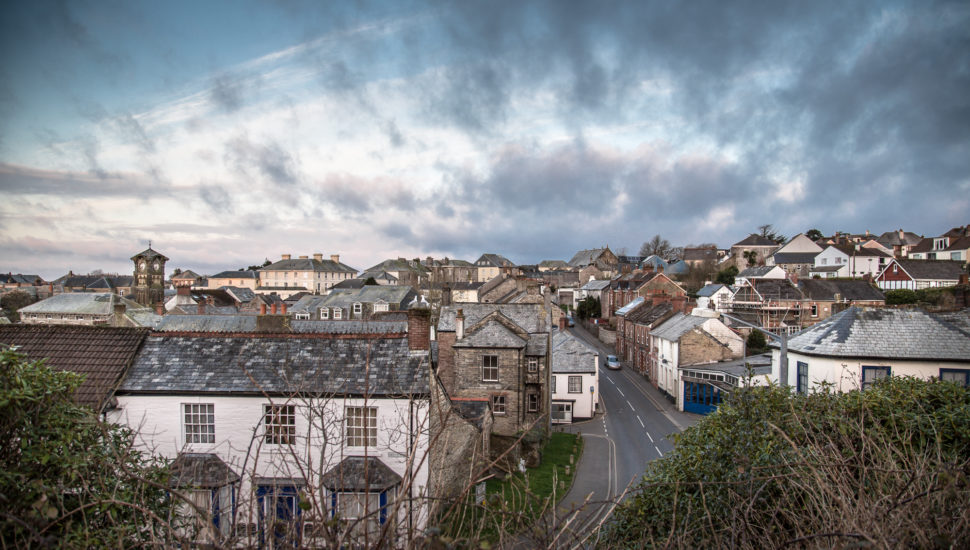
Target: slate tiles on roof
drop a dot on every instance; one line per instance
(309, 264)
(752, 272)
(776, 289)
(820, 289)
(492, 334)
(945, 270)
(678, 325)
(586, 257)
(756, 240)
(635, 303)
(530, 317)
(884, 333)
(649, 314)
(81, 303)
(794, 257)
(596, 284)
(709, 290)
(570, 354)
(200, 470)
(149, 254)
(360, 474)
(177, 364)
(474, 410)
(101, 354)
(244, 274)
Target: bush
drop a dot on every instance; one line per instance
(726, 275)
(756, 343)
(900, 297)
(887, 467)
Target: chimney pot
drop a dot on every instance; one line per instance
(318, 256)
(262, 309)
(274, 308)
(201, 306)
(286, 256)
(284, 308)
(459, 325)
(304, 257)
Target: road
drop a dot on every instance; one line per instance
(631, 430)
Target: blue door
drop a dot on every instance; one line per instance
(701, 398)
(279, 516)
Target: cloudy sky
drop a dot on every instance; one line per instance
(231, 132)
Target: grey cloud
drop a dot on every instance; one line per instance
(17, 180)
(216, 197)
(394, 135)
(268, 161)
(226, 92)
(132, 131)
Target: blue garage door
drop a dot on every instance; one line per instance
(701, 398)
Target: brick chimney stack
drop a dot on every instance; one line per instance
(318, 257)
(274, 308)
(183, 288)
(679, 303)
(419, 329)
(262, 308)
(286, 256)
(335, 258)
(201, 306)
(446, 295)
(283, 312)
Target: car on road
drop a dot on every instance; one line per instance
(570, 321)
(612, 362)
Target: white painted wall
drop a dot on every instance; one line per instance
(846, 374)
(238, 438)
(800, 243)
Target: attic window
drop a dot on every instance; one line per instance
(337, 313)
(358, 308)
(324, 313)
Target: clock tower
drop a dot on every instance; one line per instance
(149, 277)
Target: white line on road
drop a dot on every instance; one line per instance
(610, 380)
(641, 422)
(621, 392)
(648, 434)
(631, 405)
(658, 450)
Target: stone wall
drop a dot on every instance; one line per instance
(607, 336)
(698, 347)
(469, 383)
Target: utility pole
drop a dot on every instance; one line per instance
(782, 340)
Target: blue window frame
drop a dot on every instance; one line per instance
(871, 374)
(801, 379)
(960, 376)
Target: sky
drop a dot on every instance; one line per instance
(227, 133)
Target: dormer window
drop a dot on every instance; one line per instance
(337, 313)
(941, 243)
(324, 313)
(358, 308)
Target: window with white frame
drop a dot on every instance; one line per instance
(490, 368)
(575, 384)
(814, 310)
(324, 313)
(358, 308)
(498, 404)
(533, 364)
(533, 401)
(361, 426)
(280, 424)
(552, 385)
(199, 422)
(338, 313)
(380, 306)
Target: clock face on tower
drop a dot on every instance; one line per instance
(142, 265)
(156, 265)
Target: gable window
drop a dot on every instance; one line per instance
(552, 385)
(358, 308)
(498, 404)
(361, 426)
(871, 374)
(280, 424)
(814, 310)
(338, 313)
(960, 376)
(324, 313)
(490, 368)
(200, 422)
(533, 364)
(575, 384)
(802, 377)
(533, 402)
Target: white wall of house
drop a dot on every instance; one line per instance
(722, 299)
(667, 358)
(800, 243)
(724, 335)
(845, 374)
(239, 441)
(583, 401)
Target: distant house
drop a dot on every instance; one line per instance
(244, 278)
(762, 272)
(753, 251)
(698, 256)
(841, 260)
(188, 277)
(859, 346)
(952, 245)
(18, 280)
(633, 325)
(88, 308)
(407, 272)
(574, 386)
(314, 275)
(626, 288)
(900, 242)
(450, 270)
(492, 265)
(117, 284)
(775, 304)
(825, 298)
(354, 305)
(550, 265)
(919, 274)
(603, 258)
(719, 296)
(705, 386)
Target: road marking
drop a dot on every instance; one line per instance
(641, 424)
(610, 380)
(631, 405)
(648, 433)
(658, 451)
(621, 392)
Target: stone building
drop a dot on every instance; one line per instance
(149, 277)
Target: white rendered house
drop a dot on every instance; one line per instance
(276, 434)
(575, 378)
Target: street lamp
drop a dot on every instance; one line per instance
(782, 340)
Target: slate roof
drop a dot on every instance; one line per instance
(776, 289)
(255, 365)
(494, 260)
(241, 294)
(861, 252)
(821, 289)
(570, 354)
(649, 314)
(700, 254)
(629, 307)
(536, 345)
(586, 257)
(755, 272)
(9, 278)
(472, 409)
(596, 284)
(891, 238)
(188, 274)
(149, 254)
(553, 263)
(201, 470)
(81, 303)
(492, 334)
(358, 473)
(827, 268)
(242, 274)
(794, 257)
(528, 316)
(677, 267)
(709, 290)
(760, 365)
(945, 270)
(756, 240)
(399, 264)
(678, 325)
(101, 354)
(392, 294)
(349, 284)
(886, 334)
(309, 264)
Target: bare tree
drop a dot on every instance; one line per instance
(658, 246)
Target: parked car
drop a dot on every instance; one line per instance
(612, 362)
(570, 321)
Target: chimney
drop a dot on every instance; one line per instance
(660, 268)
(419, 329)
(201, 304)
(182, 289)
(679, 302)
(262, 308)
(963, 278)
(901, 236)
(304, 257)
(459, 325)
(283, 312)
(274, 308)
(160, 308)
(119, 309)
(335, 258)
(286, 256)
(446, 295)
(318, 257)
